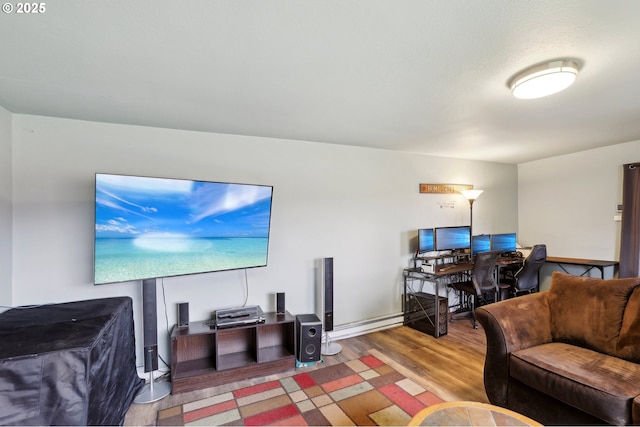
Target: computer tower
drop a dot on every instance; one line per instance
(427, 313)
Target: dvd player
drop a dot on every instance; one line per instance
(229, 317)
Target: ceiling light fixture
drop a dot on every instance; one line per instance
(544, 79)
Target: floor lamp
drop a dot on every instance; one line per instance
(471, 196)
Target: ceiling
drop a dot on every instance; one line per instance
(419, 76)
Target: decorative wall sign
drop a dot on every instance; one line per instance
(446, 204)
(444, 188)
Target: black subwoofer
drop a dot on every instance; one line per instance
(309, 332)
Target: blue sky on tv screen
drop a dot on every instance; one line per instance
(140, 207)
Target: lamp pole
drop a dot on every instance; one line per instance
(471, 196)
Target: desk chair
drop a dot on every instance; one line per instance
(482, 283)
(526, 279)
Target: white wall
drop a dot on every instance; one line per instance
(360, 206)
(569, 203)
(6, 222)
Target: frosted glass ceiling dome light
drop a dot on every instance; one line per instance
(543, 80)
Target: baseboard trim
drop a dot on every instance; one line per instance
(366, 326)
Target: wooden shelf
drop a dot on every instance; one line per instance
(204, 357)
(235, 360)
(192, 367)
(269, 354)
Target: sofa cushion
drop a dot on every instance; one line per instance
(629, 340)
(596, 383)
(588, 312)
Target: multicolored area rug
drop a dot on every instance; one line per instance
(363, 391)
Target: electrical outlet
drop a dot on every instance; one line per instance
(147, 375)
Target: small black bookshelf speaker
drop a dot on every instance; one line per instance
(280, 303)
(183, 314)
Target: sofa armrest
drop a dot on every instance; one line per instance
(511, 325)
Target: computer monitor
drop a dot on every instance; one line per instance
(505, 242)
(425, 240)
(451, 238)
(481, 243)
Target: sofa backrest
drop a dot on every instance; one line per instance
(603, 315)
(629, 340)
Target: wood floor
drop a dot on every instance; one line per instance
(450, 366)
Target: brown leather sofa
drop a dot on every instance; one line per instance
(569, 355)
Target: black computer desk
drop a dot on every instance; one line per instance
(588, 264)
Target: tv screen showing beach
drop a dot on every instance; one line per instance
(160, 227)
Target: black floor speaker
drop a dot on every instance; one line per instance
(324, 306)
(325, 294)
(309, 331)
(152, 391)
(150, 325)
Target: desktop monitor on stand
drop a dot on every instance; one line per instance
(452, 238)
(505, 242)
(481, 243)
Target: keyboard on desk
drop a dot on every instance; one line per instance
(510, 260)
(511, 255)
(454, 268)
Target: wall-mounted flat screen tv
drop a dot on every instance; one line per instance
(160, 227)
(451, 238)
(425, 240)
(505, 242)
(481, 243)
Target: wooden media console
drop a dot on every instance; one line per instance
(204, 356)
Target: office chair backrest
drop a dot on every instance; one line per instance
(483, 276)
(527, 276)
